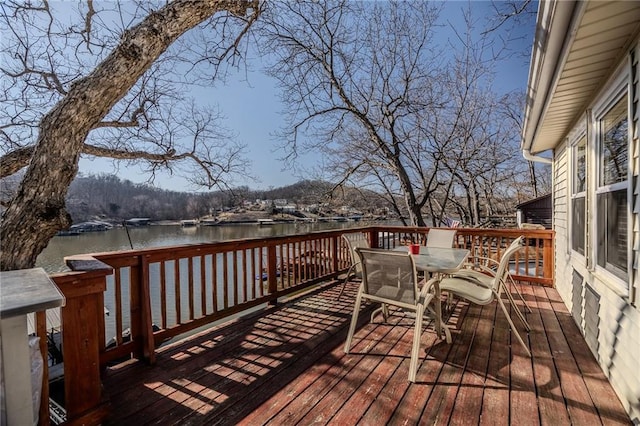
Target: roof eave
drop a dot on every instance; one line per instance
(555, 26)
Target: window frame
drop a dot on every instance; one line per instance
(618, 91)
(574, 194)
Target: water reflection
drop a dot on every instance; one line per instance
(51, 259)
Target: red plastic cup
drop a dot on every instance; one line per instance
(414, 248)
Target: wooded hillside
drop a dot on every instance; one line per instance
(109, 197)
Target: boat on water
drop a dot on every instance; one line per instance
(91, 226)
(189, 222)
(137, 221)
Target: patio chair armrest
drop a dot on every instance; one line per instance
(485, 261)
(478, 268)
(427, 286)
(471, 277)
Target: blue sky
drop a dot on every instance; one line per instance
(253, 113)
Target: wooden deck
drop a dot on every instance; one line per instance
(286, 366)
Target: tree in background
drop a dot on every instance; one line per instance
(368, 87)
(106, 83)
(385, 104)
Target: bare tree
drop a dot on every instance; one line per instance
(508, 12)
(369, 88)
(355, 79)
(99, 84)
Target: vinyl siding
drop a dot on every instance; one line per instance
(560, 224)
(609, 320)
(635, 172)
(560, 198)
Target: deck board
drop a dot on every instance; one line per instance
(495, 397)
(286, 365)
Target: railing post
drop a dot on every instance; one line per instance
(82, 328)
(148, 342)
(135, 307)
(41, 332)
(549, 259)
(272, 266)
(373, 237)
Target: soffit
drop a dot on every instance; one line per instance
(600, 42)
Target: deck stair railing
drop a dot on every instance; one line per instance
(156, 294)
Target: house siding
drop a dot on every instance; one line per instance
(635, 171)
(560, 201)
(609, 320)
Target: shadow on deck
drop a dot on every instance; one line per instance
(286, 365)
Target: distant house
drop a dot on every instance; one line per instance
(583, 108)
(538, 211)
(287, 208)
(138, 221)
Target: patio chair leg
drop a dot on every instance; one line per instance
(517, 311)
(415, 349)
(346, 280)
(513, 284)
(512, 326)
(354, 320)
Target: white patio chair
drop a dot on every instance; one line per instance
(441, 238)
(354, 240)
(390, 278)
(483, 269)
(481, 289)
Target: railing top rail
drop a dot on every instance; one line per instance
(248, 243)
(220, 246)
(469, 231)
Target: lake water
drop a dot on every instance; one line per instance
(51, 259)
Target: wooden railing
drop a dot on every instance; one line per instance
(533, 263)
(155, 294)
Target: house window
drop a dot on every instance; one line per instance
(611, 195)
(578, 196)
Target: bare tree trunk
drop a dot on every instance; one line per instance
(414, 208)
(37, 212)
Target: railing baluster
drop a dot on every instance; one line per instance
(176, 285)
(163, 294)
(261, 269)
(242, 281)
(214, 280)
(225, 279)
(303, 261)
(190, 283)
(253, 274)
(315, 262)
(284, 266)
(234, 257)
(118, 302)
(203, 286)
(135, 307)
